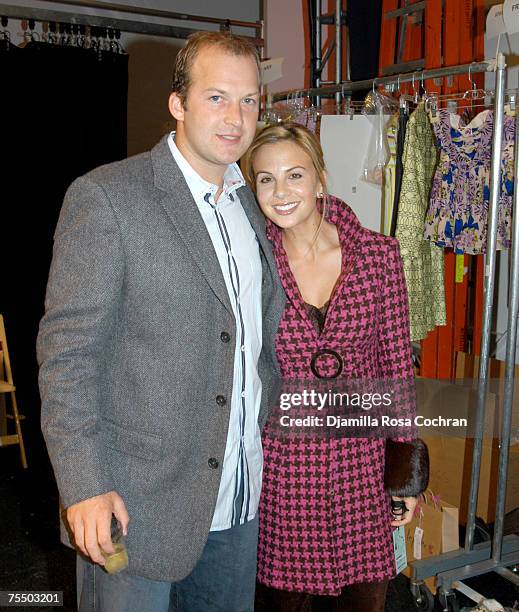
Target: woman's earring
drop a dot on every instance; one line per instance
(320, 194)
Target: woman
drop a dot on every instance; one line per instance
(325, 517)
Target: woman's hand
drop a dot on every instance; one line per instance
(407, 516)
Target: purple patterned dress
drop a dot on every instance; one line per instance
(324, 513)
(458, 208)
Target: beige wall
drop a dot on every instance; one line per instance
(286, 38)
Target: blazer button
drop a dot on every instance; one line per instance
(213, 463)
(220, 400)
(225, 337)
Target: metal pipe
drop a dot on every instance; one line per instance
(338, 48)
(263, 52)
(125, 25)
(349, 86)
(490, 264)
(318, 47)
(513, 310)
(137, 10)
(508, 575)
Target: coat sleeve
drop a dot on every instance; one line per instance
(407, 458)
(74, 339)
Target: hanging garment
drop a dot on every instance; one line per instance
(324, 513)
(309, 119)
(390, 172)
(458, 209)
(423, 260)
(400, 140)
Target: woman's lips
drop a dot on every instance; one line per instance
(285, 209)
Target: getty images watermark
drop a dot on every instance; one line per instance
(378, 408)
(310, 398)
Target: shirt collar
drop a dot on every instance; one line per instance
(199, 187)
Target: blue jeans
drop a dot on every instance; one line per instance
(223, 580)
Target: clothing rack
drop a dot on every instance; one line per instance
(472, 560)
(125, 24)
(392, 81)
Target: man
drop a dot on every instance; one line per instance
(157, 352)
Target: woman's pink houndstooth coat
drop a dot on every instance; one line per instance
(324, 513)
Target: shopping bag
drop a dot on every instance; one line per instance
(433, 530)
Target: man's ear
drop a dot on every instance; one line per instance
(176, 108)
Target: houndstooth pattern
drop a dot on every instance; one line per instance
(324, 514)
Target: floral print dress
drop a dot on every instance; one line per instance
(458, 209)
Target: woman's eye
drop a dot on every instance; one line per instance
(264, 179)
(296, 175)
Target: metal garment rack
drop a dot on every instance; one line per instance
(495, 556)
(320, 58)
(346, 87)
(126, 24)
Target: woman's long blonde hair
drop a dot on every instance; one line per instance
(303, 138)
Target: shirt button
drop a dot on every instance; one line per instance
(220, 400)
(242, 349)
(212, 463)
(225, 337)
(243, 393)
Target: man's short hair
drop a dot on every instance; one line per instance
(226, 41)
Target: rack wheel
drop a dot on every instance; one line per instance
(423, 598)
(448, 601)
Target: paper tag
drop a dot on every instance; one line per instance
(511, 16)
(495, 22)
(417, 543)
(399, 548)
(460, 267)
(271, 70)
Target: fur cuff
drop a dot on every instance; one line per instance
(407, 468)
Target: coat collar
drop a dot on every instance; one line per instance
(351, 236)
(181, 208)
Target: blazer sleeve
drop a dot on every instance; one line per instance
(83, 293)
(407, 458)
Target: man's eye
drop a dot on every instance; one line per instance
(215, 98)
(250, 101)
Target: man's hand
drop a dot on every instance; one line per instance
(407, 517)
(90, 522)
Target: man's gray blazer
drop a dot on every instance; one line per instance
(133, 355)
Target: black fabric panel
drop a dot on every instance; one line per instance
(364, 20)
(63, 112)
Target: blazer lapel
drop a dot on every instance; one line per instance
(183, 213)
(257, 221)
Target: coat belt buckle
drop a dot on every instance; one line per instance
(332, 353)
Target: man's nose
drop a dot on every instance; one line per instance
(234, 114)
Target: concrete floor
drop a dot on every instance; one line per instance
(32, 558)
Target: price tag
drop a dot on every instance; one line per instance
(460, 268)
(399, 548)
(417, 543)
